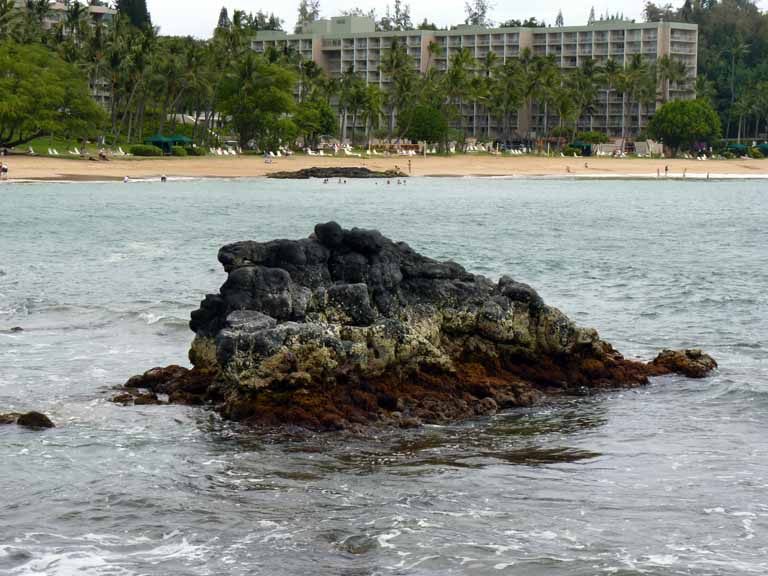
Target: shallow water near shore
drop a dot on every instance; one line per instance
(671, 479)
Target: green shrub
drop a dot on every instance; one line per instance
(178, 151)
(570, 151)
(592, 137)
(145, 150)
(755, 153)
(196, 151)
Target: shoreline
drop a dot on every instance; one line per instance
(30, 169)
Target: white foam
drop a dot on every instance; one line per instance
(151, 318)
(383, 539)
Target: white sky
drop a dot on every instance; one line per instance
(199, 17)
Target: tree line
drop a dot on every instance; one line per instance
(220, 86)
(732, 59)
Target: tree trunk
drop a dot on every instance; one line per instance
(163, 113)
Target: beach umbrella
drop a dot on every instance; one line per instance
(162, 142)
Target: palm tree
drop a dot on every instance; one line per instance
(736, 52)
(611, 74)
(705, 89)
(487, 65)
(538, 78)
(76, 22)
(433, 51)
(356, 101)
(398, 66)
(670, 71)
(646, 93)
(372, 110)
(630, 81)
(585, 83)
(457, 82)
(346, 86)
(564, 100)
(506, 95)
(550, 83)
(9, 20)
(34, 16)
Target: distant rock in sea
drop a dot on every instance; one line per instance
(349, 328)
(336, 172)
(34, 420)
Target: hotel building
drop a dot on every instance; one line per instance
(352, 43)
(97, 16)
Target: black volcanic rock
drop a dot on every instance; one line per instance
(347, 327)
(34, 420)
(336, 172)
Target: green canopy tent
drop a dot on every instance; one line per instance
(166, 143)
(740, 149)
(162, 142)
(586, 149)
(179, 140)
(763, 148)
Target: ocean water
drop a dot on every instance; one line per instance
(671, 479)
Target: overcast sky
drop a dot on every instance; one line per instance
(198, 17)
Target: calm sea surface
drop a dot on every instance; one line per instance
(671, 479)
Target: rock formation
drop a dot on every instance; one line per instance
(337, 172)
(348, 328)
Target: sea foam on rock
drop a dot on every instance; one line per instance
(349, 328)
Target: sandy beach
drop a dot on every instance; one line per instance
(23, 168)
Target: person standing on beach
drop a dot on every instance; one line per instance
(4, 171)
(409, 165)
(666, 171)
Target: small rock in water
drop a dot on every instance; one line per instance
(691, 363)
(35, 420)
(14, 330)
